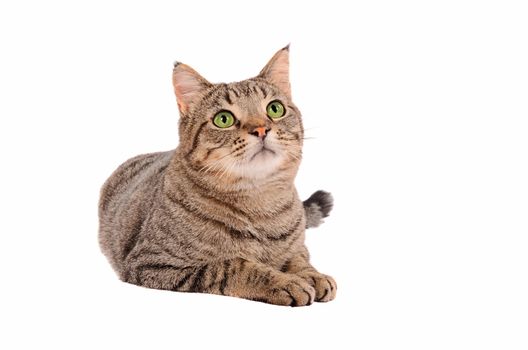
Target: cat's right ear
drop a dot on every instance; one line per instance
(277, 70)
(188, 85)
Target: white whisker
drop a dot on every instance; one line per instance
(212, 165)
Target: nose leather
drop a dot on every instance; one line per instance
(261, 131)
(258, 127)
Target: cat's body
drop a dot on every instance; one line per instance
(186, 220)
(222, 226)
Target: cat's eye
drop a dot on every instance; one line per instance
(224, 119)
(275, 109)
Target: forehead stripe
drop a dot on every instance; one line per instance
(264, 92)
(227, 97)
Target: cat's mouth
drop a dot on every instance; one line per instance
(263, 151)
(260, 161)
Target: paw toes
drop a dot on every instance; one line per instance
(325, 287)
(295, 294)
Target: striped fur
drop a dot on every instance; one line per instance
(220, 213)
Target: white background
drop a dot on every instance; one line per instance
(418, 112)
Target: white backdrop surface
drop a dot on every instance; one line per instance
(418, 114)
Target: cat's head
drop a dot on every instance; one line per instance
(247, 129)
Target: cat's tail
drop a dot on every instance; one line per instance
(317, 207)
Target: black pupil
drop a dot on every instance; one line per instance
(274, 108)
(224, 118)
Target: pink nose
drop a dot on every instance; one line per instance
(260, 131)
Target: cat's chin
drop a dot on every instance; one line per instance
(263, 155)
(260, 165)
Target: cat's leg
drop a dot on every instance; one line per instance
(235, 277)
(317, 207)
(325, 286)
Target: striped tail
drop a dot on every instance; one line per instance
(317, 207)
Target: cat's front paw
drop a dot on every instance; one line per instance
(325, 286)
(293, 292)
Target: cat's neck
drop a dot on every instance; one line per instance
(277, 188)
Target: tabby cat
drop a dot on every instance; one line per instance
(220, 213)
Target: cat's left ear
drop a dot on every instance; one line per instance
(188, 86)
(277, 71)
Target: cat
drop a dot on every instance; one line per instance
(220, 213)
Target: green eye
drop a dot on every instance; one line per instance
(224, 119)
(275, 110)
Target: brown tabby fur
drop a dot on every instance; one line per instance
(220, 213)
